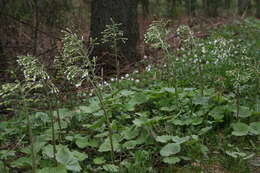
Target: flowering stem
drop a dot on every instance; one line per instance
(110, 131)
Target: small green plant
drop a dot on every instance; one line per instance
(114, 36)
(78, 66)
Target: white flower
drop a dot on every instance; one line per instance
(137, 80)
(145, 57)
(127, 75)
(112, 79)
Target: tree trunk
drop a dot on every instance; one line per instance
(145, 7)
(190, 6)
(242, 5)
(227, 4)
(121, 11)
(211, 7)
(257, 2)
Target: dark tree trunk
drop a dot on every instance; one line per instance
(145, 7)
(121, 11)
(2, 63)
(243, 5)
(257, 2)
(227, 4)
(211, 7)
(190, 6)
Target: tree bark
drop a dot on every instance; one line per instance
(211, 7)
(190, 6)
(257, 2)
(121, 11)
(227, 4)
(242, 5)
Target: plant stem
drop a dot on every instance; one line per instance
(53, 133)
(201, 80)
(117, 65)
(29, 125)
(237, 101)
(100, 98)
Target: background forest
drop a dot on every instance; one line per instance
(140, 86)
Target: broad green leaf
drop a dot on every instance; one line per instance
(137, 99)
(22, 162)
(240, 129)
(58, 169)
(218, 114)
(106, 146)
(99, 160)
(37, 147)
(164, 138)
(79, 155)
(244, 112)
(48, 151)
(130, 144)
(171, 160)
(196, 121)
(82, 142)
(255, 128)
(178, 122)
(110, 168)
(170, 90)
(91, 108)
(126, 92)
(4, 154)
(65, 157)
(179, 140)
(139, 122)
(170, 149)
(199, 100)
(205, 130)
(130, 133)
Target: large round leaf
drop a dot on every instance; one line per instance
(171, 160)
(255, 128)
(240, 129)
(170, 149)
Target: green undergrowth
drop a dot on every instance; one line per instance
(199, 115)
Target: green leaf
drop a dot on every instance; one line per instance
(110, 168)
(48, 151)
(255, 128)
(79, 156)
(58, 169)
(170, 149)
(82, 142)
(130, 144)
(130, 133)
(139, 122)
(240, 129)
(205, 130)
(4, 154)
(106, 146)
(91, 108)
(164, 138)
(137, 99)
(22, 162)
(65, 157)
(244, 112)
(99, 160)
(199, 100)
(179, 140)
(171, 160)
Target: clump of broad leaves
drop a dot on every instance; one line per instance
(156, 125)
